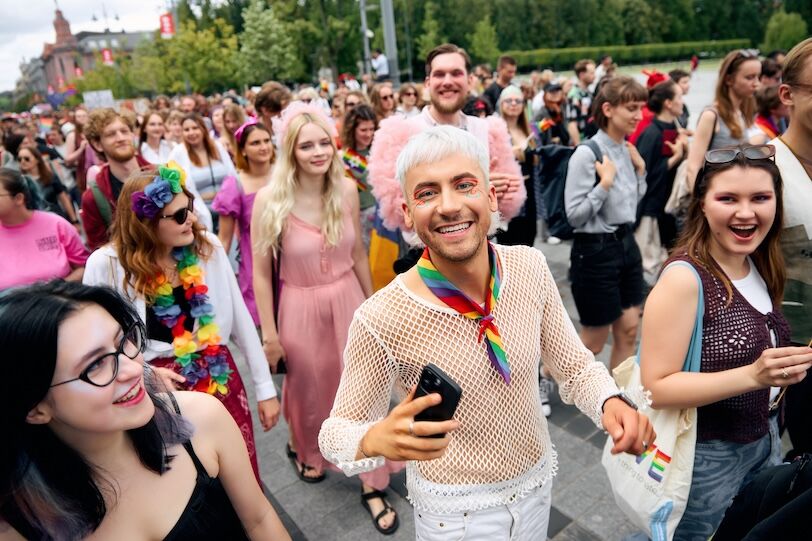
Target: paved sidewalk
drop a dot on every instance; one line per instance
(583, 508)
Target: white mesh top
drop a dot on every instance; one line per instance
(502, 449)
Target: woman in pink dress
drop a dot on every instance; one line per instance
(308, 218)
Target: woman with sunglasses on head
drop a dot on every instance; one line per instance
(306, 224)
(730, 245)
(180, 280)
(235, 200)
(94, 452)
(35, 245)
(725, 123)
(33, 164)
(409, 100)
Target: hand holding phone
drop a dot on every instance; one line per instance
(434, 380)
(401, 435)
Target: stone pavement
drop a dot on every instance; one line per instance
(583, 508)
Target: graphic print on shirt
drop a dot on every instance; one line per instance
(46, 244)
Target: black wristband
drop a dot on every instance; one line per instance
(623, 397)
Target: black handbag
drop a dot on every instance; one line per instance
(276, 285)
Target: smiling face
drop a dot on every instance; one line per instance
(512, 107)
(78, 408)
(116, 141)
(168, 231)
(192, 134)
(449, 205)
(739, 206)
(313, 150)
(447, 83)
(364, 132)
(155, 126)
(624, 117)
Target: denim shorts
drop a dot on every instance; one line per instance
(606, 270)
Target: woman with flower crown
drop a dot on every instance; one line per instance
(308, 220)
(180, 280)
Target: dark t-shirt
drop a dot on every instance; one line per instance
(115, 186)
(552, 128)
(493, 92)
(659, 178)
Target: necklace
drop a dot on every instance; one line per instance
(206, 370)
(447, 292)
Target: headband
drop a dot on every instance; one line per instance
(239, 131)
(282, 122)
(169, 181)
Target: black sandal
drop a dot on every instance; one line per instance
(365, 497)
(300, 468)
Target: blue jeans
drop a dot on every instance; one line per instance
(721, 470)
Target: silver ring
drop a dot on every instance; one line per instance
(411, 428)
(784, 373)
(645, 445)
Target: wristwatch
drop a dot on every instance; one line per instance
(623, 397)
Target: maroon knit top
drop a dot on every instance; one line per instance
(734, 335)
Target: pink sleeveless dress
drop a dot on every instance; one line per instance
(320, 294)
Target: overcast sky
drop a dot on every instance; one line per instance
(25, 25)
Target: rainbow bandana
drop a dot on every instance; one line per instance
(459, 301)
(356, 167)
(169, 181)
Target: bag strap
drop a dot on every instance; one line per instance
(101, 203)
(596, 150)
(693, 358)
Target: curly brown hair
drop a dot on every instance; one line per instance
(99, 119)
(136, 241)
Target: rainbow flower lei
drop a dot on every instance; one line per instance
(206, 370)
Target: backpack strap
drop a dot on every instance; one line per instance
(596, 150)
(102, 203)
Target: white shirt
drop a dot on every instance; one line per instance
(103, 268)
(162, 156)
(380, 65)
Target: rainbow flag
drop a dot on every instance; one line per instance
(355, 166)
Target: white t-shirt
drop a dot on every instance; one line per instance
(754, 290)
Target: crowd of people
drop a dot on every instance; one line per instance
(346, 235)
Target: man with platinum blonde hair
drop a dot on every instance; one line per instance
(484, 315)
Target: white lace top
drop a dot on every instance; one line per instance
(502, 449)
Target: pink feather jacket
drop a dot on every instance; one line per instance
(392, 136)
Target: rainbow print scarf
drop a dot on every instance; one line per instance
(459, 301)
(355, 166)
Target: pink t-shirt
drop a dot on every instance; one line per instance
(42, 248)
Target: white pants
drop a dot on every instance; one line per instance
(523, 520)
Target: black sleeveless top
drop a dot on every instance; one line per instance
(209, 514)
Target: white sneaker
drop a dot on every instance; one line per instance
(553, 240)
(546, 387)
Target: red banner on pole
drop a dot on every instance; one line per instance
(167, 26)
(107, 56)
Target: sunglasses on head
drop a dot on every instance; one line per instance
(748, 53)
(727, 155)
(180, 215)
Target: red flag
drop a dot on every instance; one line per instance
(167, 26)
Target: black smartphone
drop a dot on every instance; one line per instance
(434, 380)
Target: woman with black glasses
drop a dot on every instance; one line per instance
(409, 101)
(93, 452)
(729, 251)
(180, 280)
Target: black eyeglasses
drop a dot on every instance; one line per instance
(180, 215)
(410, 93)
(727, 155)
(26, 159)
(389, 97)
(102, 371)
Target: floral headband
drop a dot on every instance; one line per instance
(252, 121)
(157, 194)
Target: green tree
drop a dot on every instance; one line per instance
(431, 36)
(784, 30)
(207, 57)
(484, 45)
(267, 48)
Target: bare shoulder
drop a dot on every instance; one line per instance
(263, 194)
(677, 282)
(203, 410)
(7, 533)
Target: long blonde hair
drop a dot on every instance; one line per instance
(283, 184)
